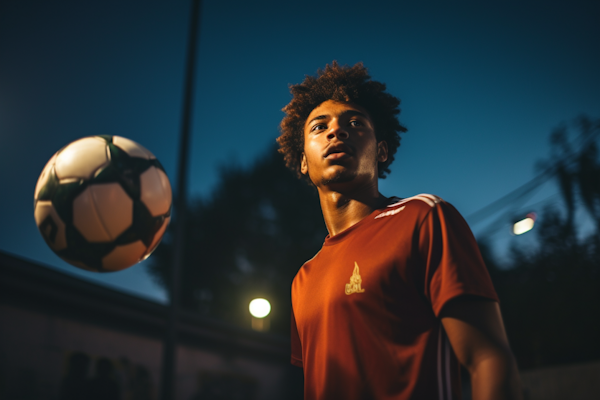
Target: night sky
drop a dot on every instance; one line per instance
(481, 85)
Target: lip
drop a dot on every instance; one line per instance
(337, 151)
(336, 156)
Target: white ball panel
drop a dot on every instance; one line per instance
(102, 212)
(157, 237)
(44, 176)
(124, 256)
(155, 191)
(86, 219)
(54, 232)
(82, 158)
(114, 206)
(132, 148)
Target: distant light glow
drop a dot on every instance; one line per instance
(524, 225)
(260, 308)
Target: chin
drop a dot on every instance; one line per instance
(340, 177)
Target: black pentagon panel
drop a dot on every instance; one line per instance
(148, 237)
(81, 250)
(124, 169)
(158, 165)
(49, 228)
(108, 138)
(63, 198)
(143, 227)
(47, 191)
(124, 161)
(108, 174)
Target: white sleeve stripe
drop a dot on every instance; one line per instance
(427, 198)
(448, 382)
(443, 358)
(439, 366)
(390, 212)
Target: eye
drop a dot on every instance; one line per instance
(355, 123)
(318, 127)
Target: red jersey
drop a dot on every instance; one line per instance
(365, 318)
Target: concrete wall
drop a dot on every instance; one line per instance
(34, 348)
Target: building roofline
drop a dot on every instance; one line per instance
(30, 285)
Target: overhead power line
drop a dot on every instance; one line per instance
(534, 183)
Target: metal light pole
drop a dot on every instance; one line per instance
(168, 372)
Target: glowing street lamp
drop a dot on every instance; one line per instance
(524, 225)
(260, 309)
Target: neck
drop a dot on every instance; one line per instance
(342, 209)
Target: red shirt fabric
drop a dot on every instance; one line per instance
(365, 309)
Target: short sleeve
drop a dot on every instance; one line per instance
(296, 358)
(453, 263)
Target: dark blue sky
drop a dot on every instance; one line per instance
(482, 86)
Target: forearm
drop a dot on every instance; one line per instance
(496, 378)
(476, 332)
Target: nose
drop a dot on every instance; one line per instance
(336, 131)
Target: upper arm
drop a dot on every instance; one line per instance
(475, 330)
(453, 266)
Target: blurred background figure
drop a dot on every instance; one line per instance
(103, 386)
(125, 376)
(142, 387)
(74, 384)
(224, 386)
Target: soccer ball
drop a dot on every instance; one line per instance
(102, 203)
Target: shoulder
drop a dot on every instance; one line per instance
(420, 204)
(430, 199)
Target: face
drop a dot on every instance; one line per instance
(340, 145)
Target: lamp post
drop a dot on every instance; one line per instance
(169, 359)
(260, 309)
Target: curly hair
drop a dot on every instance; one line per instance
(344, 84)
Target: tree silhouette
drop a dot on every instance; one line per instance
(577, 172)
(550, 293)
(248, 240)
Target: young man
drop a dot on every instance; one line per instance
(399, 291)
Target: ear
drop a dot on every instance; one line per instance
(382, 151)
(303, 165)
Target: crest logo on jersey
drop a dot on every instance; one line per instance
(355, 282)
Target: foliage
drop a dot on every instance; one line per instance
(550, 294)
(248, 240)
